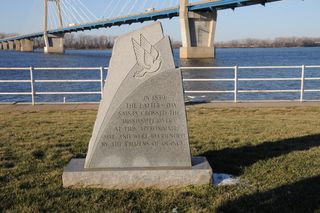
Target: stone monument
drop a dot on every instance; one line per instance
(140, 137)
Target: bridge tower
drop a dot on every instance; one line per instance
(197, 32)
(53, 43)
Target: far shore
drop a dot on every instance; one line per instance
(255, 47)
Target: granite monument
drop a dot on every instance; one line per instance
(140, 137)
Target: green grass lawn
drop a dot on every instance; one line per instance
(275, 151)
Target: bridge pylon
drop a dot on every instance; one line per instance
(53, 43)
(197, 32)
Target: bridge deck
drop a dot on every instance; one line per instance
(147, 16)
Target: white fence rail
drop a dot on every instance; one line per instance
(235, 91)
(236, 80)
(32, 81)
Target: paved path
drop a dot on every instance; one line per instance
(259, 104)
(28, 107)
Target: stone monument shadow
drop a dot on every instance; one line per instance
(234, 160)
(301, 196)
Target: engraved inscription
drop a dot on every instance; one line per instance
(151, 121)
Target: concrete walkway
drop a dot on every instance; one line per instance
(259, 104)
(28, 107)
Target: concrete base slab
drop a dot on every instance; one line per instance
(75, 176)
(197, 52)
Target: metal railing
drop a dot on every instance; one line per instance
(32, 81)
(235, 91)
(236, 80)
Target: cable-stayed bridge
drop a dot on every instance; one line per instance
(197, 22)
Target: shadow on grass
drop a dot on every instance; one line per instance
(234, 160)
(302, 196)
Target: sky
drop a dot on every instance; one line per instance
(286, 18)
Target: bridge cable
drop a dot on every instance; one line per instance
(76, 13)
(143, 5)
(132, 8)
(50, 18)
(107, 8)
(79, 17)
(124, 7)
(75, 19)
(94, 17)
(66, 14)
(66, 18)
(81, 12)
(113, 9)
(85, 14)
(69, 14)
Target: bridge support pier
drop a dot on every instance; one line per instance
(5, 46)
(11, 45)
(26, 45)
(18, 45)
(197, 32)
(54, 44)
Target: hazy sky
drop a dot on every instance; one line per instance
(284, 18)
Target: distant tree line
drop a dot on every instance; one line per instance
(84, 41)
(274, 43)
(5, 35)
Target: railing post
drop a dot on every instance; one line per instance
(302, 83)
(32, 86)
(235, 84)
(101, 81)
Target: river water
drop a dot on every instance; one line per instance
(225, 57)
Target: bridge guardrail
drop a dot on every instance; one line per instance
(235, 91)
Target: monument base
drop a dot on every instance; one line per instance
(75, 176)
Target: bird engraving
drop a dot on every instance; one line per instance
(148, 57)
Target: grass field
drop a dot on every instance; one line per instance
(275, 151)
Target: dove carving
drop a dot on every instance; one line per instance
(147, 56)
